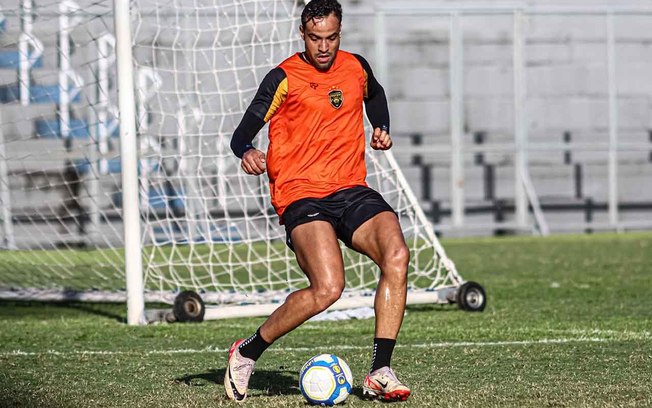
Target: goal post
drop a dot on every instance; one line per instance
(154, 207)
(129, 161)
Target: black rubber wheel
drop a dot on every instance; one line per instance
(189, 307)
(471, 297)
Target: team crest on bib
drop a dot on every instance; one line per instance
(336, 98)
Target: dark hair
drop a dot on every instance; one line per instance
(320, 8)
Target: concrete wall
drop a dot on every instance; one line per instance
(567, 96)
(566, 70)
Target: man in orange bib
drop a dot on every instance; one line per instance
(315, 161)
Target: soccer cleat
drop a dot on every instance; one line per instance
(383, 384)
(238, 372)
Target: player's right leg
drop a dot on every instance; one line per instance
(318, 254)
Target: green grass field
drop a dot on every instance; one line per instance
(568, 323)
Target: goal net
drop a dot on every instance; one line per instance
(206, 226)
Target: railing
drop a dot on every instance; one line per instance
(524, 194)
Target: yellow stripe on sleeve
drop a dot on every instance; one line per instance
(279, 97)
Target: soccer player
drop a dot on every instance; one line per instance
(316, 167)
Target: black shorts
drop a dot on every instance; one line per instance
(345, 210)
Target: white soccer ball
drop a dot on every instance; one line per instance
(325, 380)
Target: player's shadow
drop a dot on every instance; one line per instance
(357, 392)
(45, 308)
(267, 382)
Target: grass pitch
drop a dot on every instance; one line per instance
(568, 323)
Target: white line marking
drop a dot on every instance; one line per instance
(20, 353)
(621, 335)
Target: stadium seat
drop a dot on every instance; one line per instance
(37, 94)
(51, 129)
(10, 59)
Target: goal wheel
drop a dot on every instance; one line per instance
(189, 307)
(471, 297)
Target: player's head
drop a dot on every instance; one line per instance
(321, 23)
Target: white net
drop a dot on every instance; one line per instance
(59, 169)
(207, 226)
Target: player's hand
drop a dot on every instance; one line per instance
(253, 162)
(380, 139)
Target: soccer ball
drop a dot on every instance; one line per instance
(325, 380)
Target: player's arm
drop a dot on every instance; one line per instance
(376, 107)
(271, 94)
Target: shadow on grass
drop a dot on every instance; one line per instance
(117, 312)
(44, 310)
(357, 392)
(425, 308)
(266, 382)
(263, 382)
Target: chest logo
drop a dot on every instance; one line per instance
(336, 98)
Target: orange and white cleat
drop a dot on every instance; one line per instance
(238, 371)
(382, 384)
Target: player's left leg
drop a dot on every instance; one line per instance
(382, 240)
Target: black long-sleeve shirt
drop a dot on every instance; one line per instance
(269, 98)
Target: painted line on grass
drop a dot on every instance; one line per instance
(616, 335)
(20, 353)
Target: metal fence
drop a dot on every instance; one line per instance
(526, 211)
